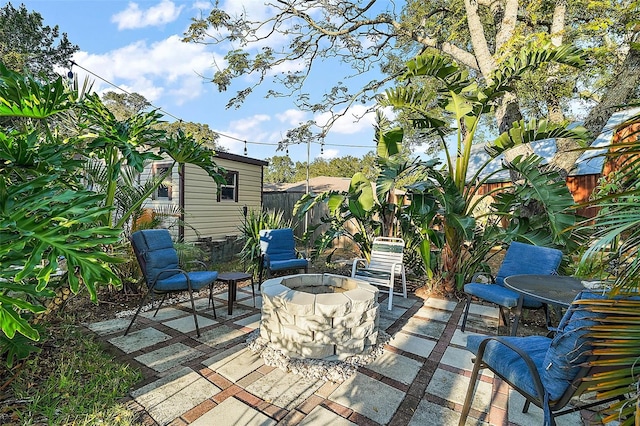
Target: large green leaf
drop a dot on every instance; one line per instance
(548, 189)
(522, 132)
(46, 223)
(362, 200)
(389, 142)
(26, 96)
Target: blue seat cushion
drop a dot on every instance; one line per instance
(499, 295)
(178, 282)
(278, 265)
(509, 364)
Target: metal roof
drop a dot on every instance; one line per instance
(590, 162)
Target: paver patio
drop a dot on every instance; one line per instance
(420, 378)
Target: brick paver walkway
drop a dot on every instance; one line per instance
(420, 379)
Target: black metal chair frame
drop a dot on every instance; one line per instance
(264, 257)
(575, 388)
(150, 291)
(502, 309)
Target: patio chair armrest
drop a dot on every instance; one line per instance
(475, 277)
(531, 366)
(397, 267)
(178, 270)
(354, 267)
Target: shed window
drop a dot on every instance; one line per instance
(162, 192)
(229, 190)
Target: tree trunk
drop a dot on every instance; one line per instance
(618, 92)
(507, 112)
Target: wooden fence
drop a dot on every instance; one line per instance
(580, 187)
(285, 201)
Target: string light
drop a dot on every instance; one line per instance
(70, 74)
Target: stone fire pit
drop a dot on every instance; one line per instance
(319, 316)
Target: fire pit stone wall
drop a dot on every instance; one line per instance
(319, 315)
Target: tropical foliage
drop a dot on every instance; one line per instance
(370, 207)
(458, 109)
(45, 214)
(67, 139)
(613, 255)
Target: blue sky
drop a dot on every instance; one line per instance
(137, 46)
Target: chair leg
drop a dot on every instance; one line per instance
(517, 314)
(193, 309)
(404, 286)
(253, 292)
(466, 313)
(547, 316)
(137, 312)
(164, 295)
(213, 305)
(390, 298)
(466, 407)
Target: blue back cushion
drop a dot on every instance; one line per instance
(569, 347)
(156, 249)
(528, 259)
(278, 244)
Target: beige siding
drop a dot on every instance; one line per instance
(219, 219)
(160, 205)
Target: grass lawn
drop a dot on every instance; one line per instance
(71, 381)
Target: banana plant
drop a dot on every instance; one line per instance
(461, 102)
(368, 208)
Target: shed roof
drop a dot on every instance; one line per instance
(241, 158)
(590, 162)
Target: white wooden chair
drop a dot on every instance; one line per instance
(385, 265)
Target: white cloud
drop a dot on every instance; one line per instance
(292, 117)
(356, 120)
(133, 17)
(252, 129)
(202, 5)
(166, 68)
(329, 154)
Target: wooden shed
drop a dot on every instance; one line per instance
(211, 213)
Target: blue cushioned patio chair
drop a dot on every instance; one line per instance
(548, 372)
(520, 259)
(158, 262)
(387, 255)
(278, 252)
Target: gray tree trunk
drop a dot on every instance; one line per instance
(617, 94)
